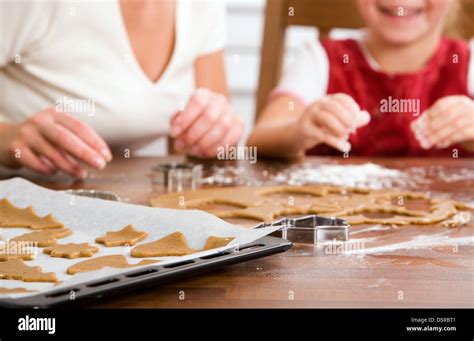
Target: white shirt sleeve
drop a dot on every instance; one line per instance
(22, 25)
(306, 76)
(470, 70)
(209, 26)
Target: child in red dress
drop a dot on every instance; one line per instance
(399, 88)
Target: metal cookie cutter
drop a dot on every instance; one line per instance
(92, 193)
(176, 176)
(311, 229)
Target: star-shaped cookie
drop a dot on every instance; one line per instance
(71, 250)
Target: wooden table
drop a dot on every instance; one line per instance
(432, 276)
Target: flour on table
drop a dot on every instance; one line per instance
(422, 241)
(367, 175)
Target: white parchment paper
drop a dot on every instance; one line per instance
(89, 218)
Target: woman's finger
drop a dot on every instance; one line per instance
(67, 140)
(214, 136)
(85, 133)
(174, 119)
(28, 158)
(204, 123)
(42, 147)
(231, 138)
(195, 106)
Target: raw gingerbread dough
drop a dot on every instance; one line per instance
(17, 269)
(18, 290)
(351, 204)
(113, 261)
(173, 244)
(71, 250)
(213, 242)
(43, 238)
(126, 236)
(11, 216)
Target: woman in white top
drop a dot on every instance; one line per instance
(79, 78)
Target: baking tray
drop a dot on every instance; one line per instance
(91, 217)
(148, 276)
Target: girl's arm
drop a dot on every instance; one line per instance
(287, 128)
(275, 131)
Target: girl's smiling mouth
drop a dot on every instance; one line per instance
(400, 12)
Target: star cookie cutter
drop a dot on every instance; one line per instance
(312, 229)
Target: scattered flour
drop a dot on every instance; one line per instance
(372, 228)
(367, 175)
(422, 241)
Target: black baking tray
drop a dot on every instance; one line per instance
(148, 276)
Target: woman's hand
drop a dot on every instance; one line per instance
(330, 120)
(448, 121)
(207, 122)
(51, 140)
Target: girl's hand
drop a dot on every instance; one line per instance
(448, 121)
(207, 122)
(330, 120)
(51, 140)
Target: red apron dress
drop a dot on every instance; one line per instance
(389, 133)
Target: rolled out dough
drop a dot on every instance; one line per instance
(268, 203)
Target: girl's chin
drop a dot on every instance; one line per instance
(401, 37)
